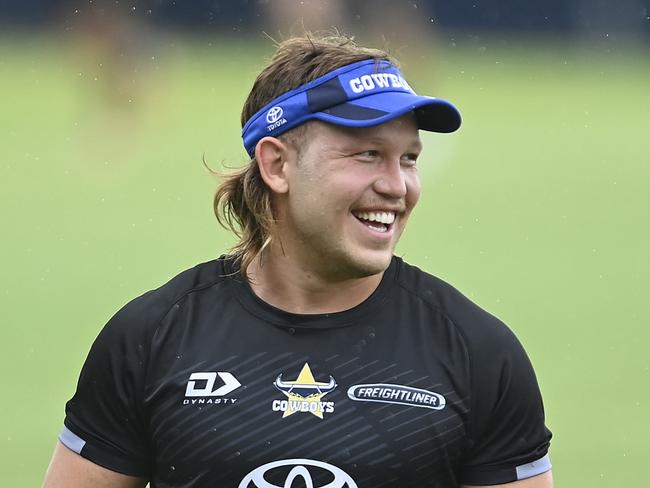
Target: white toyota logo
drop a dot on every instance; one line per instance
(256, 477)
(274, 114)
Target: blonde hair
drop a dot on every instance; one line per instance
(242, 201)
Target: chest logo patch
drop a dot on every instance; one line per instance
(304, 394)
(397, 394)
(257, 477)
(201, 389)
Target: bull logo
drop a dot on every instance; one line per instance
(304, 394)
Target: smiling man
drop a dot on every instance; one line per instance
(311, 355)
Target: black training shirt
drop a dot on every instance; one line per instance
(201, 384)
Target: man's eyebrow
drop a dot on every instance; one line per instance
(372, 139)
(414, 145)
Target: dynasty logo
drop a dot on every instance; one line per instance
(304, 394)
(201, 389)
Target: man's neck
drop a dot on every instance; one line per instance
(281, 282)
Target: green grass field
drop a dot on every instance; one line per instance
(538, 209)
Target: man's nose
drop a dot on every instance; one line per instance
(391, 181)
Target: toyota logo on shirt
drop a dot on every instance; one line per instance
(274, 114)
(256, 478)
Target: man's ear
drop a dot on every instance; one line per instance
(271, 155)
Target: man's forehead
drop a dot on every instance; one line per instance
(405, 128)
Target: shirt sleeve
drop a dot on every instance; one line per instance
(105, 419)
(508, 437)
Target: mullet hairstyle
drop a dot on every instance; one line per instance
(242, 203)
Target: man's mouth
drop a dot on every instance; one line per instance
(379, 221)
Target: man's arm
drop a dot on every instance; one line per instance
(70, 470)
(544, 480)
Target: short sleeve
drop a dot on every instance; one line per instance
(508, 437)
(105, 420)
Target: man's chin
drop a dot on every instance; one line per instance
(357, 263)
(370, 264)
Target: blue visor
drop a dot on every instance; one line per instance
(361, 94)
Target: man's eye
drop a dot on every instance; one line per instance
(410, 159)
(369, 154)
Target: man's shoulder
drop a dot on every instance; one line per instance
(150, 307)
(199, 277)
(435, 291)
(472, 321)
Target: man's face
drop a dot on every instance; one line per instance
(351, 192)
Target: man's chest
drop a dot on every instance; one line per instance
(358, 406)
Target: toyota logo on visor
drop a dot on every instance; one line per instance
(274, 114)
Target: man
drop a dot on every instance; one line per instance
(311, 356)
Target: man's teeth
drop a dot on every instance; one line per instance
(381, 217)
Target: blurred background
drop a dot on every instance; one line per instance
(537, 209)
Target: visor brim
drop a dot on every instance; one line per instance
(432, 114)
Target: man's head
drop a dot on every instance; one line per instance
(362, 98)
(342, 202)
